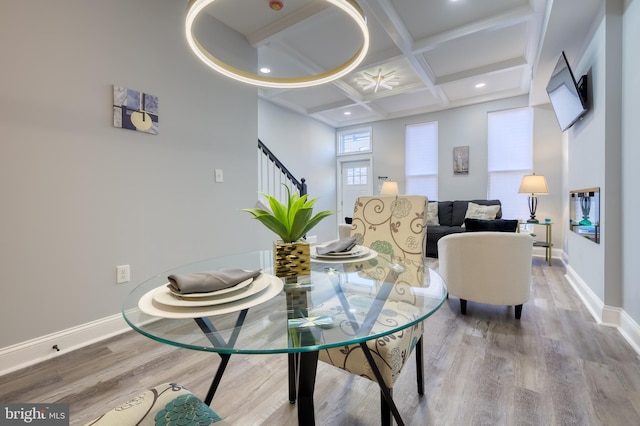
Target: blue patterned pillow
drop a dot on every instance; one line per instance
(166, 405)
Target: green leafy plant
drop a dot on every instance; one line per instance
(292, 220)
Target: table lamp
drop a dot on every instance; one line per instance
(533, 185)
(389, 188)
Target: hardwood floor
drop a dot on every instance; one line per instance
(555, 366)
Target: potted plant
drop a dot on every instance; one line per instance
(290, 221)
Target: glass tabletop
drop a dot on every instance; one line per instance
(341, 303)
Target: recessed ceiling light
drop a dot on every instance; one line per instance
(265, 70)
(480, 85)
(347, 113)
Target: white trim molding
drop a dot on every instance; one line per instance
(609, 316)
(588, 297)
(556, 254)
(36, 350)
(630, 330)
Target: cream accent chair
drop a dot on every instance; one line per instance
(487, 267)
(394, 226)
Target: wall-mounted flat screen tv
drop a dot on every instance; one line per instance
(568, 98)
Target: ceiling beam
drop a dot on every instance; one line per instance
(492, 68)
(264, 35)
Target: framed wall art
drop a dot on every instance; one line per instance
(461, 160)
(135, 110)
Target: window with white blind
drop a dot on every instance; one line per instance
(355, 141)
(421, 160)
(510, 156)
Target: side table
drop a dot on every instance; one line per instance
(547, 243)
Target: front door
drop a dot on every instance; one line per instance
(355, 181)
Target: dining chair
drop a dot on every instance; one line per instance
(395, 227)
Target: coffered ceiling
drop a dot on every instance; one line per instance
(435, 54)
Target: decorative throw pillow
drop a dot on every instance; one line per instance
(476, 211)
(497, 225)
(432, 214)
(166, 404)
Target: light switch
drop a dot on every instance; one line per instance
(219, 175)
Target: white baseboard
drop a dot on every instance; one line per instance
(588, 297)
(630, 330)
(36, 350)
(610, 316)
(542, 252)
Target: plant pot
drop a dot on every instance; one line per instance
(291, 259)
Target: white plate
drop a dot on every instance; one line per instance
(164, 295)
(217, 292)
(357, 251)
(320, 259)
(151, 307)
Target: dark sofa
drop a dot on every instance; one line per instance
(451, 217)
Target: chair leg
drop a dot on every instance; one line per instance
(463, 306)
(420, 367)
(386, 417)
(518, 311)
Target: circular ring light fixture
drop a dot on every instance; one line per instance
(195, 7)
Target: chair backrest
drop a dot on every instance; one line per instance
(393, 225)
(487, 267)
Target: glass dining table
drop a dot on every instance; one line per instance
(342, 302)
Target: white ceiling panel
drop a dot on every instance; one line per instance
(357, 114)
(409, 101)
(506, 81)
(427, 18)
(478, 50)
(313, 97)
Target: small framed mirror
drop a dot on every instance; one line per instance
(584, 209)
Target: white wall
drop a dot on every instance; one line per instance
(594, 150)
(468, 126)
(630, 156)
(548, 161)
(80, 196)
(308, 148)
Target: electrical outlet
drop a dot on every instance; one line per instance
(123, 274)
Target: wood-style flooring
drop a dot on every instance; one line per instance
(555, 366)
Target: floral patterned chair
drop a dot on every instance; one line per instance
(167, 404)
(395, 227)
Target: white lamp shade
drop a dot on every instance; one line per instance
(389, 188)
(533, 184)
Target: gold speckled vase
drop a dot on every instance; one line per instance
(291, 259)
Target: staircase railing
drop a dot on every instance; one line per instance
(272, 174)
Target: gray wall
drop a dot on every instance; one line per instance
(594, 150)
(80, 196)
(308, 148)
(630, 156)
(468, 126)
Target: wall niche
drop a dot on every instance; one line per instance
(584, 210)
